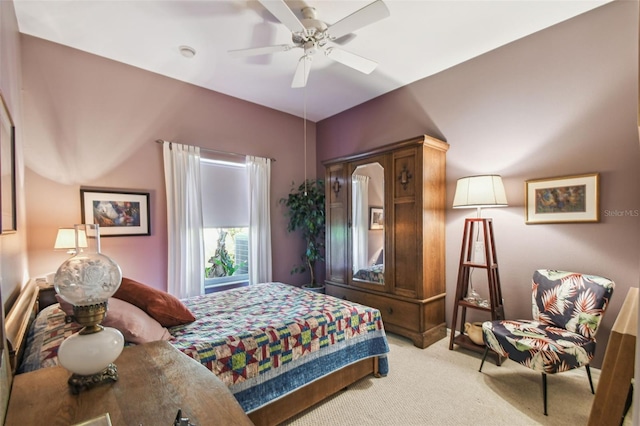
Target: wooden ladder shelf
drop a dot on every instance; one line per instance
(480, 253)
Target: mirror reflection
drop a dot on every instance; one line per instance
(367, 202)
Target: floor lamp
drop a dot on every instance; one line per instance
(478, 192)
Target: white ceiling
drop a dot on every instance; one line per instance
(419, 39)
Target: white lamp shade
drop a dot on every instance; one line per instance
(87, 354)
(480, 192)
(66, 239)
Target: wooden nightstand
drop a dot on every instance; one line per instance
(46, 294)
(155, 381)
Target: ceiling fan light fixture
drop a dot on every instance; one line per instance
(308, 12)
(312, 34)
(187, 51)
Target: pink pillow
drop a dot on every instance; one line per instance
(165, 308)
(136, 326)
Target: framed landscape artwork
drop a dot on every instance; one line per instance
(7, 169)
(117, 213)
(567, 199)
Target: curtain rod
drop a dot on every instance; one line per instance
(216, 151)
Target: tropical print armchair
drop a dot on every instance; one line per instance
(567, 309)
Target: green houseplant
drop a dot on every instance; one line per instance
(305, 206)
(223, 263)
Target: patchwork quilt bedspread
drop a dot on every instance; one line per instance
(263, 341)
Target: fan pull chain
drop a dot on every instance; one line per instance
(305, 128)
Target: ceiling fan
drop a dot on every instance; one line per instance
(313, 35)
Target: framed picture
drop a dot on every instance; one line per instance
(118, 213)
(567, 199)
(376, 218)
(7, 169)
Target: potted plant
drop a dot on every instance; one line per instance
(223, 263)
(305, 206)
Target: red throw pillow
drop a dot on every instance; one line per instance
(165, 308)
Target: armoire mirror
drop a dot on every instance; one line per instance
(367, 219)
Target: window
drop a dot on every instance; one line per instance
(225, 210)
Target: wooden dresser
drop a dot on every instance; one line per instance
(406, 180)
(155, 381)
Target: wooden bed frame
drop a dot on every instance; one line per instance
(18, 321)
(25, 308)
(305, 397)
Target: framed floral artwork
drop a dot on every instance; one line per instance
(566, 199)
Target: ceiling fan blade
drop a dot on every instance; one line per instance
(352, 60)
(369, 14)
(345, 39)
(253, 51)
(302, 72)
(281, 11)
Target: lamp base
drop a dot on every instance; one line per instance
(78, 382)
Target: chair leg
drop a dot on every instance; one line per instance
(486, 351)
(589, 376)
(544, 391)
(544, 384)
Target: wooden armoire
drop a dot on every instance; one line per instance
(396, 261)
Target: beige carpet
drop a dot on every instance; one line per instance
(436, 386)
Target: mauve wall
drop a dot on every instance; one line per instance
(90, 121)
(560, 102)
(13, 246)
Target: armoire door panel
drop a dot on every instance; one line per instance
(336, 219)
(337, 249)
(404, 174)
(407, 266)
(337, 190)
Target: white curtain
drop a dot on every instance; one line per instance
(360, 220)
(259, 170)
(184, 220)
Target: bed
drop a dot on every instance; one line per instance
(374, 273)
(278, 348)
